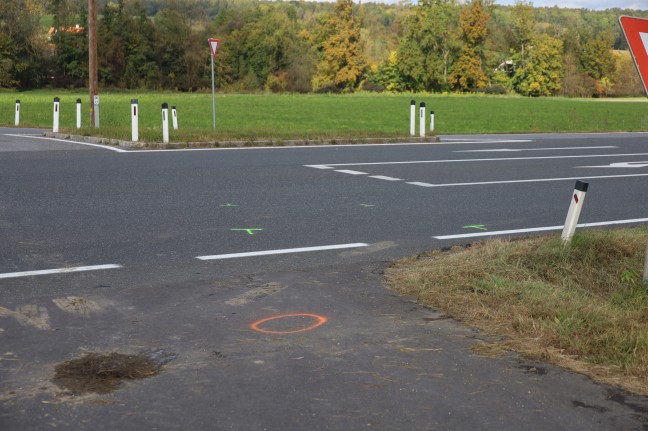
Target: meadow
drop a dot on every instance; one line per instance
(322, 116)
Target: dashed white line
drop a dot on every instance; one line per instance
(282, 251)
(415, 183)
(539, 229)
(382, 177)
(350, 172)
(58, 271)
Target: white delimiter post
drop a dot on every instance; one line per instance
(78, 113)
(422, 121)
(134, 121)
(17, 122)
(431, 121)
(413, 117)
(55, 126)
(580, 190)
(174, 115)
(165, 123)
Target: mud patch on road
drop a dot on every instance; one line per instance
(77, 305)
(103, 373)
(29, 315)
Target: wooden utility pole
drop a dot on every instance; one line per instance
(93, 72)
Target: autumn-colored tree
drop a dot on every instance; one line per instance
(467, 73)
(542, 74)
(343, 64)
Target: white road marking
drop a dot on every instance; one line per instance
(496, 159)
(538, 180)
(319, 166)
(105, 147)
(620, 165)
(422, 184)
(350, 172)
(282, 251)
(382, 177)
(58, 271)
(539, 229)
(506, 150)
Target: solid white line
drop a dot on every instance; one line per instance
(58, 271)
(283, 251)
(498, 159)
(382, 177)
(105, 147)
(532, 149)
(540, 229)
(346, 171)
(538, 180)
(319, 166)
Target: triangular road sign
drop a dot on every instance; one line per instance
(213, 44)
(636, 33)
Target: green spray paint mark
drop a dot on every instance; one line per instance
(476, 226)
(250, 230)
(229, 205)
(367, 205)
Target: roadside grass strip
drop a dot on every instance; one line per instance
(582, 306)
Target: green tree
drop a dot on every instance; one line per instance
(467, 73)
(343, 64)
(523, 24)
(429, 46)
(597, 60)
(542, 74)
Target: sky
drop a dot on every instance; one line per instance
(586, 4)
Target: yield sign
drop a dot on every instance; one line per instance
(636, 33)
(213, 44)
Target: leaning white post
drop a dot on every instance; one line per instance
(174, 116)
(134, 121)
(17, 122)
(78, 112)
(431, 121)
(422, 121)
(413, 117)
(165, 123)
(580, 190)
(55, 126)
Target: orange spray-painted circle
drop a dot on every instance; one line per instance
(319, 321)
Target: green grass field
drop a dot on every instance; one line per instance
(283, 116)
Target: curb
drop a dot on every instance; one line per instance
(237, 144)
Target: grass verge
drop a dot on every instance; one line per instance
(321, 116)
(583, 307)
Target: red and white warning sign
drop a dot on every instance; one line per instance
(636, 33)
(213, 44)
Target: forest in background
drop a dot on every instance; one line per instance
(438, 46)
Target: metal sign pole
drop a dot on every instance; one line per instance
(213, 92)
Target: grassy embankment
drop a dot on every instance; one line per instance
(279, 117)
(584, 307)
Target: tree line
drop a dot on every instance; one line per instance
(433, 46)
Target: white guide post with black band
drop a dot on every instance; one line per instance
(431, 121)
(174, 117)
(413, 118)
(134, 121)
(55, 125)
(422, 120)
(165, 123)
(78, 112)
(17, 122)
(580, 190)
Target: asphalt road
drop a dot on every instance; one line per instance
(165, 232)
